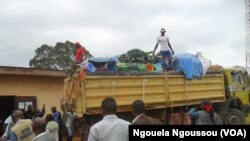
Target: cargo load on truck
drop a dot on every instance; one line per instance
(167, 95)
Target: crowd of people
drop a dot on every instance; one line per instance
(113, 128)
(31, 126)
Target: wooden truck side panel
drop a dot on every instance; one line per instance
(157, 91)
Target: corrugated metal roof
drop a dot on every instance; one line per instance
(30, 71)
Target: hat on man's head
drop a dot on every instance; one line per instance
(206, 105)
(163, 30)
(77, 44)
(206, 102)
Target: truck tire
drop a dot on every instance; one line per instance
(234, 117)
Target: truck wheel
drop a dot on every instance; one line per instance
(234, 117)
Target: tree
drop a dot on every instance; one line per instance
(55, 58)
(135, 56)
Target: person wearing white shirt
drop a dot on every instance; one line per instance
(166, 55)
(110, 128)
(70, 117)
(9, 122)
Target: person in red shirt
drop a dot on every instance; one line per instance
(79, 53)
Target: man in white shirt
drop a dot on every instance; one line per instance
(110, 128)
(166, 55)
(70, 117)
(9, 124)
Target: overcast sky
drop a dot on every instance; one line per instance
(111, 27)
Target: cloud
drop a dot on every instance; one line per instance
(107, 28)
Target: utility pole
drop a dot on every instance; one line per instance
(247, 24)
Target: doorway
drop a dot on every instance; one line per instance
(7, 105)
(10, 103)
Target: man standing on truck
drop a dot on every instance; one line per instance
(138, 110)
(166, 55)
(79, 53)
(110, 128)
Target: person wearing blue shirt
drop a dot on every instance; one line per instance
(205, 116)
(57, 117)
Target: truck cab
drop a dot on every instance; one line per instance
(237, 94)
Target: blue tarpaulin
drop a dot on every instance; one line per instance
(104, 59)
(107, 63)
(189, 65)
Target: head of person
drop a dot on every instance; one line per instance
(78, 45)
(16, 115)
(70, 110)
(207, 106)
(39, 125)
(30, 108)
(109, 106)
(138, 107)
(48, 118)
(53, 109)
(163, 30)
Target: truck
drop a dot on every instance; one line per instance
(163, 93)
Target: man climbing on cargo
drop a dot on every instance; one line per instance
(79, 53)
(166, 54)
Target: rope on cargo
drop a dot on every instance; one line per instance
(172, 106)
(82, 74)
(113, 89)
(186, 94)
(143, 89)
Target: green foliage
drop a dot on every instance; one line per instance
(134, 56)
(139, 56)
(58, 57)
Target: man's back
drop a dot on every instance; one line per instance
(111, 128)
(147, 120)
(22, 130)
(205, 119)
(29, 114)
(53, 128)
(45, 137)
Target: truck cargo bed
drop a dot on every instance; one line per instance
(159, 90)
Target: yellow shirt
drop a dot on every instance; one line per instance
(23, 130)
